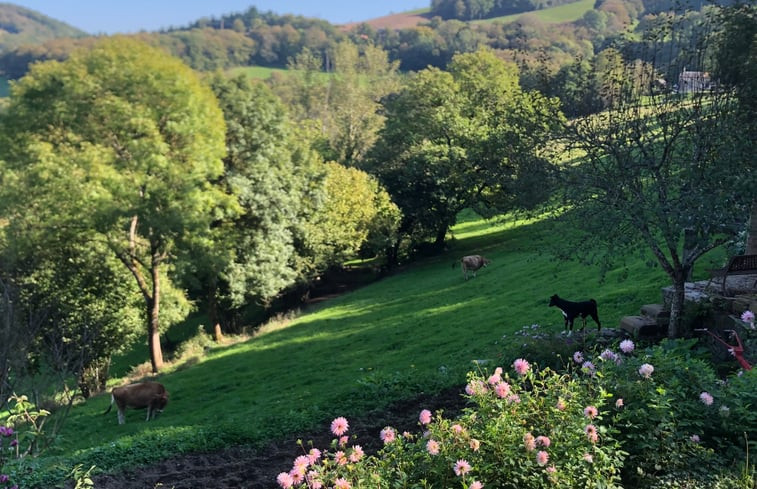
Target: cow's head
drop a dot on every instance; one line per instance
(553, 300)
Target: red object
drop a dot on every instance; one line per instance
(737, 349)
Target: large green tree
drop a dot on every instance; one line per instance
(274, 179)
(467, 137)
(138, 139)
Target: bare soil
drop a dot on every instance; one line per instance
(247, 468)
(394, 21)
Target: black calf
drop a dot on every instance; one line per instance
(571, 310)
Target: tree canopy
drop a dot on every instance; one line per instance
(125, 141)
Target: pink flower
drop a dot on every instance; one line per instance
(626, 346)
(529, 442)
(476, 485)
(340, 458)
(578, 357)
(457, 429)
(551, 469)
(301, 464)
(425, 416)
(341, 483)
(542, 457)
(543, 441)
(748, 317)
(591, 433)
(285, 480)
(461, 467)
(646, 370)
(609, 355)
(588, 368)
(314, 454)
(313, 481)
(513, 398)
(560, 405)
(297, 477)
(433, 447)
(356, 454)
(588, 457)
(502, 389)
(619, 403)
(474, 444)
(388, 435)
(590, 412)
(339, 426)
(521, 366)
(343, 440)
(706, 398)
(694, 438)
(475, 387)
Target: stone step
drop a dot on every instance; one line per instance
(658, 313)
(638, 326)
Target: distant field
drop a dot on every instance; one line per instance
(555, 15)
(257, 72)
(3, 87)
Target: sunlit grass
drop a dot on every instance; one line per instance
(415, 331)
(568, 12)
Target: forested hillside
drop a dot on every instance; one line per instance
(255, 38)
(20, 26)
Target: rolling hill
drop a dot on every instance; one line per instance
(19, 26)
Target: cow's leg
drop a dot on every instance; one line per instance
(121, 416)
(149, 412)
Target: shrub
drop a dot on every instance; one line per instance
(535, 428)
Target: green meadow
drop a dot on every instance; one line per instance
(568, 12)
(418, 330)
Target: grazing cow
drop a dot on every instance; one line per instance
(571, 310)
(473, 263)
(150, 395)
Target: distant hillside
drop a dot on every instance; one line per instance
(395, 21)
(19, 26)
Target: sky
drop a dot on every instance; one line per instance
(128, 16)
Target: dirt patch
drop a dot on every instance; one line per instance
(245, 468)
(394, 21)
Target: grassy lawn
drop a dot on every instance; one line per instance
(562, 13)
(415, 331)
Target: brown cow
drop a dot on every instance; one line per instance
(473, 263)
(150, 395)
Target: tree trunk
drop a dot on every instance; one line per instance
(441, 233)
(213, 313)
(751, 240)
(676, 306)
(153, 334)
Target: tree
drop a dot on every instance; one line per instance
(139, 140)
(469, 137)
(343, 104)
(270, 173)
(357, 214)
(665, 173)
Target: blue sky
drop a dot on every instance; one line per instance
(120, 16)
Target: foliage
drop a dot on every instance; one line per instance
(355, 208)
(465, 138)
(532, 429)
(121, 141)
(647, 162)
(362, 351)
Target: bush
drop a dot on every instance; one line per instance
(531, 429)
(655, 417)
